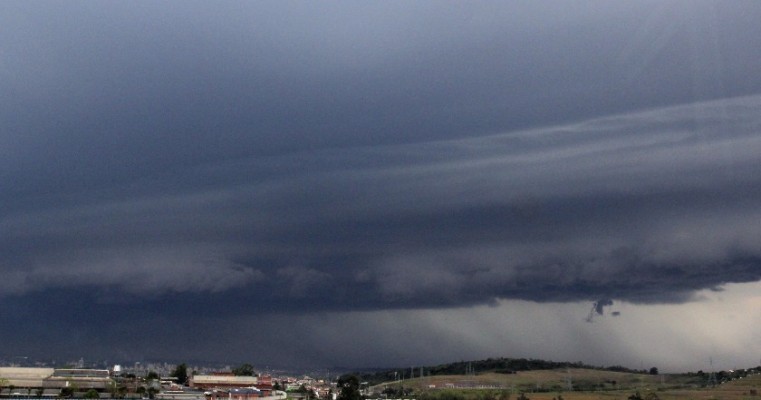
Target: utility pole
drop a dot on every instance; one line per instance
(712, 377)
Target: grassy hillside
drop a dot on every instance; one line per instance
(497, 365)
(588, 384)
(550, 380)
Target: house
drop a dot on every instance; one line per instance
(221, 381)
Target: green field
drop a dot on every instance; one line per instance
(588, 384)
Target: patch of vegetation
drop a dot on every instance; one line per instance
(455, 394)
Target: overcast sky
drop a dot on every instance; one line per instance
(381, 183)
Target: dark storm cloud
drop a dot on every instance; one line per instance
(243, 158)
(641, 207)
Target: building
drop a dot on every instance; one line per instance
(79, 379)
(249, 393)
(24, 377)
(47, 382)
(222, 381)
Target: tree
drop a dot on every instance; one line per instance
(348, 386)
(121, 391)
(67, 392)
(112, 389)
(450, 395)
(244, 370)
(152, 376)
(181, 373)
(91, 394)
(654, 371)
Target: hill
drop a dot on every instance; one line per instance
(499, 379)
(555, 381)
(577, 384)
(504, 366)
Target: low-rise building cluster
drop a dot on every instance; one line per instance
(38, 382)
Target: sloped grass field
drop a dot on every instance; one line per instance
(589, 384)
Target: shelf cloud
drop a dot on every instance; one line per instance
(274, 159)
